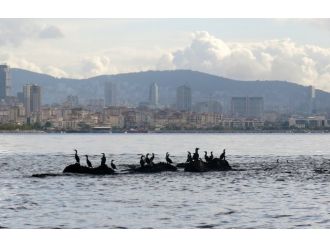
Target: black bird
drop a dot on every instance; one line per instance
(103, 159)
(142, 161)
(113, 166)
(168, 160)
(211, 156)
(223, 155)
(147, 159)
(196, 155)
(277, 161)
(89, 164)
(207, 158)
(152, 158)
(77, 157)
(189, 158)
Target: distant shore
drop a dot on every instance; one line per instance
(168, 132)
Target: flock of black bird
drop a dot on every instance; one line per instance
(147, 165)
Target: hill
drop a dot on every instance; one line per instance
(133, 88)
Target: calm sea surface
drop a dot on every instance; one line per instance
(294, 193)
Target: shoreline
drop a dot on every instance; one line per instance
(170, 132)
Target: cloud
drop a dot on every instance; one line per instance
(97, 65)
(23, 63)
(16, 31)
(51, 32)
(266, 60)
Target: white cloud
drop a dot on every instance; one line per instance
(51, 32)
(266, 60)
(15, 31)
(97, 65)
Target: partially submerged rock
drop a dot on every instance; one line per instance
(156, 167)
(100, 170)
(201, 166)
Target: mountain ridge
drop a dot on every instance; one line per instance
(133, 88)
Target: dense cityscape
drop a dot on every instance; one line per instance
(25, 112)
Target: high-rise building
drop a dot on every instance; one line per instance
(210, 106)
(5, 83)
(183, 98)
(153, 95)
(110, 94)
(238, 106)
(311, 99)
(72, 101)
(255, 107)
(247, 106)
(32, 98)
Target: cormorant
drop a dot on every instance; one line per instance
(189, 158)
(147, 159)
(113, 166)
(89, 164)
(223, 155)
(207, 159)
(277, 161)
(196, 155)
(211, 156)
(152, 158)
(168, 160)
(103, 159)
(142, 161)
(77, 157)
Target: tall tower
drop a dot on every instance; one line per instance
(32, 98)
(5, 82)
(110, 94)
(153, 95)
(183, 98)
(311, 100)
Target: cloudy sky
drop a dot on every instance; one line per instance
(296, 50)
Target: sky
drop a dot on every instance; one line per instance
(296, 50)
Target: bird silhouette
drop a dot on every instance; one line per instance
(142, 161)
(223, 155)
(103, 159)
(152, 158)
(76, 156)
(147, 159)
(113, 166)
(207, 158)
(168, 160)
(189, 158)
(211, 156)
(89, 164)
(196, 155)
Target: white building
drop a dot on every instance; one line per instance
(153, 95)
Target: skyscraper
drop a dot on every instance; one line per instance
(110, 94)
(311, 99)
(5, 83)
(183, 98)
(153, 95)
(32, 98)
(238, 106)
(247, 106)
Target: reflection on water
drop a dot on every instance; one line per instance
(291, 193)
